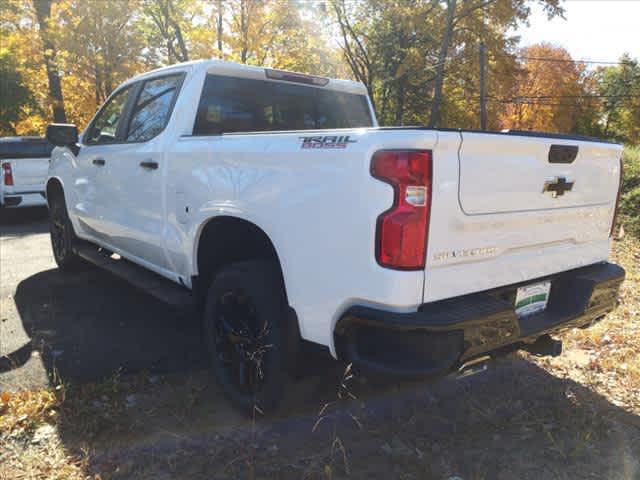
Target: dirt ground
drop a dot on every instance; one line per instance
(102, 381)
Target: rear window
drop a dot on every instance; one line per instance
(24, 148)
(231, 104)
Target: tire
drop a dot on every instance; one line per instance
(245, 329)
(63, 238)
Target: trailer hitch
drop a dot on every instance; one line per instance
(544, 346)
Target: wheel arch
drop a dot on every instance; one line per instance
(225, 239)
(54, 186)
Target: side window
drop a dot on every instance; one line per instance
(105, 126)
(230, 105)
(152, 109)
(342, 110)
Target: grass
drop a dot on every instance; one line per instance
(629, 209)
(22, 412)
(29, 444)
(610, 349)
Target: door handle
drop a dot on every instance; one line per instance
(150, 164)
(99, 162)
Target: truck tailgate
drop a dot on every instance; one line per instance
(503, 213)
(501, 173)
(29, 173)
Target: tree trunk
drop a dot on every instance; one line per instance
(402, 81)
(43, 12)
(183, 54)
(400, 100)
(183, 47)
(442, 58)
(219, 28)
(97, 77)
(244, 29)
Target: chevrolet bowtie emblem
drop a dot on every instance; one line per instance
(558, 186)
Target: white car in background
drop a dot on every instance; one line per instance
(24, 163)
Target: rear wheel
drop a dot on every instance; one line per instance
(244, 320)
(63, 238)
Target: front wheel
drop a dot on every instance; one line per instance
(244, 323)
(63, 237)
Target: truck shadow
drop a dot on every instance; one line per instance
(90, 324)
(516, 421)
(18, 222)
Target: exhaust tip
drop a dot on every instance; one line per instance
(473, 367)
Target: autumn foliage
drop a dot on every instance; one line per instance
(419, 59)
(543, 97)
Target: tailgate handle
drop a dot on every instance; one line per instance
(563, 153)
(98, 161)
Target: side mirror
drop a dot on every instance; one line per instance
(62, 134)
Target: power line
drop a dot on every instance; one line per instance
(537, 97)
(542, 104)
(515, 102)
(563, 60)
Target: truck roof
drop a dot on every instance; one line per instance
(233, 69)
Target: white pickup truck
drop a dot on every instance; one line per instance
(276, 202)
(25, 163)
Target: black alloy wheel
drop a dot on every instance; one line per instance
(244, 322)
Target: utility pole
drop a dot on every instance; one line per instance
(483, 86)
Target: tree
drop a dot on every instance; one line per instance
(469, 22)
(442, 57)
(619, 88)
(101, 45)
(14, 94)
(43, 14)
(168, 23)
(548, 92)
(419, 58)
(354, 43)
(274, 33)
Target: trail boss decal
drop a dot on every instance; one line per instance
(330, 141)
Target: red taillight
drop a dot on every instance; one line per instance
(615, 210)
(8, 173)
(402, 231)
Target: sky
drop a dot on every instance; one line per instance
(599, 30)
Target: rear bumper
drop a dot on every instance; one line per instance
(442, 335)
(26, 199)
